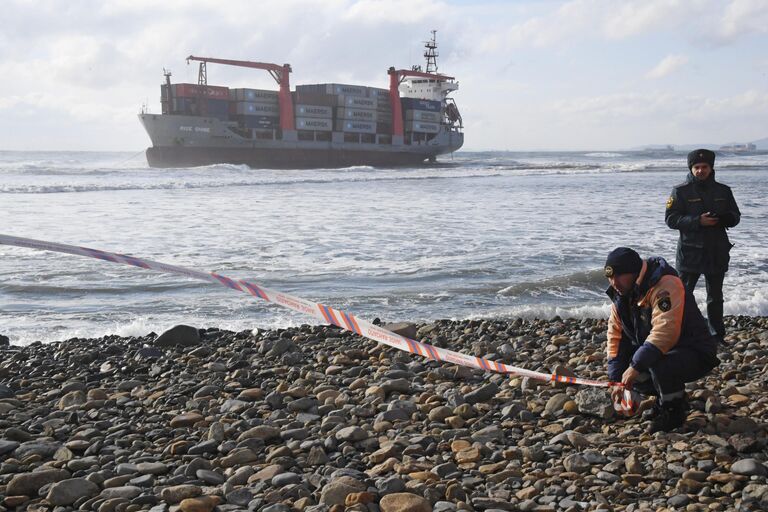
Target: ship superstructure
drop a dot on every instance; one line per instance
(317, 125)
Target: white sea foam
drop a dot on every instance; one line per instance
(494, 234)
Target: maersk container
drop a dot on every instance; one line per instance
(356, 114)
(376, 92)
(384, 128)
(335, 89)
(422, 115)
(417, 104)
(263, 122)
(314, 123)
(248, 108)
(200, 91)
(346, 90)
(253, 95)
(384, 116)
(355, 126)
(357, 102)
(419, 126)
(314, 98)
(320, 111)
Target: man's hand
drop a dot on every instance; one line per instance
(629, 376)
(706, 220)
(617, 392)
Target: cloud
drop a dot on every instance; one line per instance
(631, 107)
(743, 17)
(667, 66)
(392, 11)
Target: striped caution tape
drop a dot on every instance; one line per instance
(320, 312)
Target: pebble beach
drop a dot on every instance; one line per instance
(316, 419)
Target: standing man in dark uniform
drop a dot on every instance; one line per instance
(702, 209)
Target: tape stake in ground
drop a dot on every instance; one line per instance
(322, 313)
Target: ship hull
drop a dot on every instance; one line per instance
(277, 158)
(184, 141)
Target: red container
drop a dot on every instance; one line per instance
(201, 91)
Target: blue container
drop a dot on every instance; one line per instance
(258, 122)
(417, 104)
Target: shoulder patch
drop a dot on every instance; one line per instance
(664, 303)
(670, 202)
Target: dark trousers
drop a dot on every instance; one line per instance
(674, 369)
(714, 297)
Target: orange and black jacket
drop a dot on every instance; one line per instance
(656, 317)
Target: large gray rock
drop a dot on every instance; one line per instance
(127, 492)
(27, 484)
(183, 335)
(749, 467)
(351, 434)
(406, 329)
(5, 391)
(7, 446)
(483, 394)
(576, 463)
(595, 402)
(45, 449)
(336, 492)
(66, 492)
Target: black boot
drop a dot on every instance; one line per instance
(671, 415)
(654, 411)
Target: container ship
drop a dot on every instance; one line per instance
(327, 125)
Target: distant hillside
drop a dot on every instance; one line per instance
(761, 143)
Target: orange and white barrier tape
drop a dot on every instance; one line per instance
(320, 312)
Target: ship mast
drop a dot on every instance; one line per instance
(430, 53)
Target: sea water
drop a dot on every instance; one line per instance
(481, 235)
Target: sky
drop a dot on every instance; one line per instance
(533, 75)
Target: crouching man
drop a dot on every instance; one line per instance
(657, 338)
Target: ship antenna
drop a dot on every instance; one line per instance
(430, 53)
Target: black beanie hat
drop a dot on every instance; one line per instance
(623, 260)
(701, 156)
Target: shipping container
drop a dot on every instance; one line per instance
(198, 91)
(355, 126)
(422, 127)
(253, 95)
(384, 117)
(347, 90)
(248, 108)
(356, 114)
(417, 104)
(258, 122)
(314, 123)
(314, 111)
(356, 102)
(214, 108)
(377, 92)
(185, 106)
(383, 127)
(314, 98)
(422, 115)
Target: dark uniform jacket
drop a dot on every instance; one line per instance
(702, 250)
(657, 317)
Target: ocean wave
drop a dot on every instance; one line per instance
(604, 155)
(589, 279)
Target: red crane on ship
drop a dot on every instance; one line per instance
(396, 77)
(278, 72)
